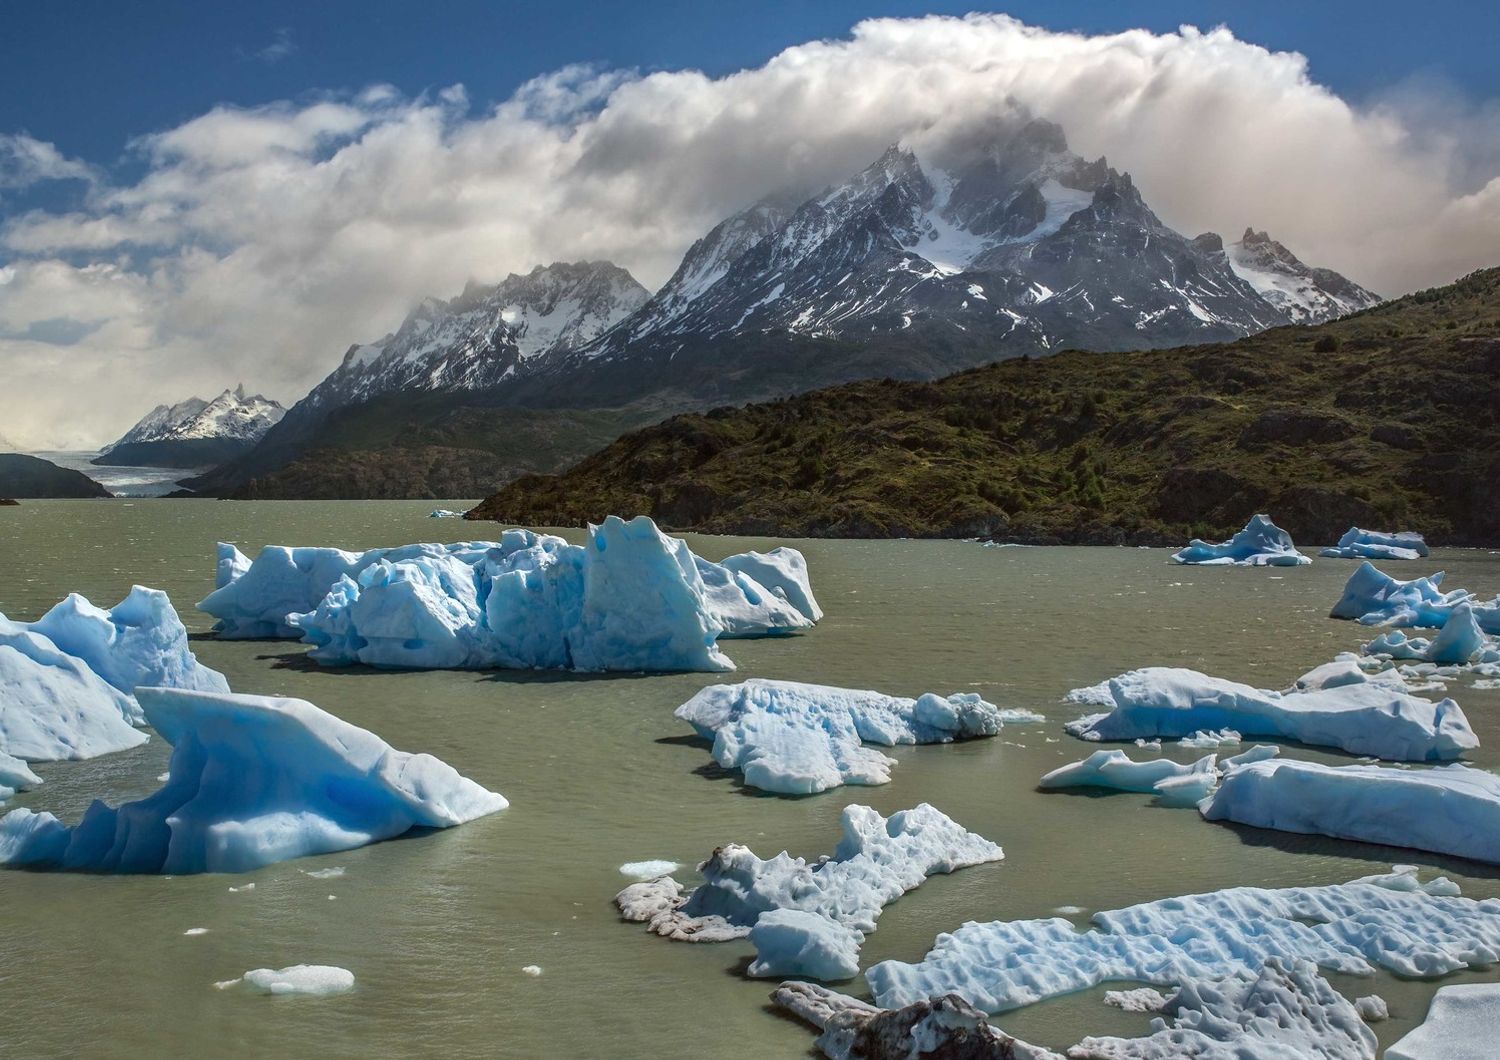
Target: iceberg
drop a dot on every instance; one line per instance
(1114, 770)
(54, 707)
(253, 780)
(1459, 640)
(1372, 544)
(308, 980)
(445, 513)
(941, 1027)
(1261, 544)
(1366, 717)
(809, 919)
(1463, 1023)
(15, 776)
(139, 641)
(1389, 921)
(1373, 598)
(1446, 810)
(530, 601)
(799, 739)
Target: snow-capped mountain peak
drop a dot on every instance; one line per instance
(232, 415)
(1304, 294)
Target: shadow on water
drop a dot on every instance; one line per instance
(711, 770)
(1328, 846)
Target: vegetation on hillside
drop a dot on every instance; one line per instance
(1389, 418)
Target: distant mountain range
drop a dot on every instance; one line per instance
(1389, 418)
(912, 268)
(195, 433)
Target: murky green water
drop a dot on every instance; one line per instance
(437, 929)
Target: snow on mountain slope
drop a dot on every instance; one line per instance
(1306, 295)
(232, 415)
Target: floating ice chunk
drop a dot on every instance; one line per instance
(784, 572)
(1374, 598)
(648, 870)
(532, 970)
(139, 641)
(1261, 544)
(1141, 999)
(15, 776)
(324, 874)
(254, 780)
(1372, 544)
(1372, 1008)
(445, 513)
(232, 890)
(1113, 769)
(1189, 790)
(1368, 717)
(196, 931)
(1459, 640)
(1390, 921)
(1284, 1009)
(1447, 810)
(1259, 753)
(743, 606)
(53, 706)
(1344, 670)
(944, 1026)
(1209, 739)
(839, 898)
(798, 739)
(1463, 1023)
(306, 980)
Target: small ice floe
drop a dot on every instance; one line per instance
(1209, 739)
(1391, 921)
(196, 931)
(1351, 711)
(1459, 642)
(242, 887)
(799, 739)
(648, 870)
(253, 780)
(1463, 1023)
(15, 775)
(1260, 544)
(325, 874)
(305, 980)
(445, 513)
(1142, 999)
(1068, 910)
(809, 919)
(1449, 809)
(1373, 544)
(532, 970)
(1114, 770)
(1372, 1008)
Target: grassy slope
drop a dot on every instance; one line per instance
(1387, 418)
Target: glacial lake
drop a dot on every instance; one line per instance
(437, 928)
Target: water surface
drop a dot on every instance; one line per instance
(437, 929)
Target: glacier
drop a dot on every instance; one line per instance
(631, 598)
(1450, 809)
(1391, 921)
(1260, 544)
(252, 780)
(1373, 598)
(1365, 717)
(799, 739)
(1373, 544)
(809, 919)
(1463, 1023)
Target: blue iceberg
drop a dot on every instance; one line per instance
(1261, 544)
(1372, 544)
(809, 919)
(1458, 641)
(252, 780)
(798, 739)
(1374, 598)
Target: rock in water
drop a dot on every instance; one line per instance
(253, 780)
(1261, 544)
(797, 739)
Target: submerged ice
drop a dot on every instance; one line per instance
(1260, 544)
(631, 598)
(1389, 921)
(1360, 715)
(797, 739)
(809, 919)
(252, 780)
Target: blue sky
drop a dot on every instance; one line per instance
(88, 76)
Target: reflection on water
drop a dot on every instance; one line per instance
(438, 928)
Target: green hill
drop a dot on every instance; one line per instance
(1389, 418)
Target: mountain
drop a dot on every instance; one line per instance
(195, 433)
(1387, 418)
(468, 345)
(30, 476)
(1305, 295)
(921, 264)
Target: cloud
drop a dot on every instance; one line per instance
(280, 47)
(259, 243)
(25, 161)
